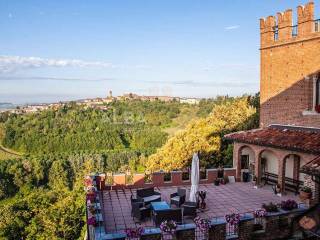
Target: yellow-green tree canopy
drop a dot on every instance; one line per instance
(202, 135)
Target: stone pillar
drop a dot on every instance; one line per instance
(282, 173)
(157, 179)
(237, 160)
(296, 167)
(212, 175)
(176, 178)
(257, 168)
(138, 180)
(217, 231)
(119, 180)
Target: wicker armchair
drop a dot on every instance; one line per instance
(179, 197)
(139, 211)
(148, 195)
(189, 209)
(169, 214)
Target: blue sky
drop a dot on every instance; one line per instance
(63, 50)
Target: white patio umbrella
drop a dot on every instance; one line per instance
(194, 178)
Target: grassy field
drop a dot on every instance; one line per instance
(186, 115)
(6, 153)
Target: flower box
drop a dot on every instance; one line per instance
(305, 193)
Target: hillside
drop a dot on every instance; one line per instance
(204, 135)
(4, 152)
(41, 192)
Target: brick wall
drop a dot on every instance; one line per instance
(157, 179)
(288, 66)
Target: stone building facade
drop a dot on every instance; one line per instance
(289, 133)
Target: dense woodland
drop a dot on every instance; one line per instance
(41, 191)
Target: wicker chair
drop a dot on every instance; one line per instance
(179, 197)
(139, 211)
(189, 209)
(169, 214)
(148, 195)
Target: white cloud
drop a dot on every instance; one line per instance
(15, 63)
(50, 78)
(231, 27)
(229, 66)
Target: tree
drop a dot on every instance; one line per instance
(202, 135)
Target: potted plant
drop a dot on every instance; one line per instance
(134, 233)
(202, 224)
(216, 182)
(233, 219)
(271, 207)
(92, 221)
(202, 196)
(258, 215)
(254, 179)
(289, 205)
(168, 227)
(92, 209)
(305, 193)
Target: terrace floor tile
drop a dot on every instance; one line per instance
(221, 200)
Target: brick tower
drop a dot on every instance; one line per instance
(290, 66)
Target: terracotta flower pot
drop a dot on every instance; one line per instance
(305, 195)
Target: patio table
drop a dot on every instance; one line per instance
(158, 206)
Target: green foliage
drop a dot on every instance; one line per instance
(48, 201)
(41, 192)
(204, 135)
(124, 125)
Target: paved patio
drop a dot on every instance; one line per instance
(221, 200)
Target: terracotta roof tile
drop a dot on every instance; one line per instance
(284, 137)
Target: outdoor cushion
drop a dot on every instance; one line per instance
(177, 198)
(231, 179)
(151, 198)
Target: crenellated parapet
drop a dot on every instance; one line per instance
(280, 28)
(306, 19)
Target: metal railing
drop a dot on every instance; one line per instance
(294, 30)
(317, 25)
(275, 33)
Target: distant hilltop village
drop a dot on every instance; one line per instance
(98, 103)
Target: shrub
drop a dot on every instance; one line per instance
(271, 207)
(306, 189)
(289, 205)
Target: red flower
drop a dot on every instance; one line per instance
(91, 221)
(317, 108)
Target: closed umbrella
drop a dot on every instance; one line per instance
(194, 178)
